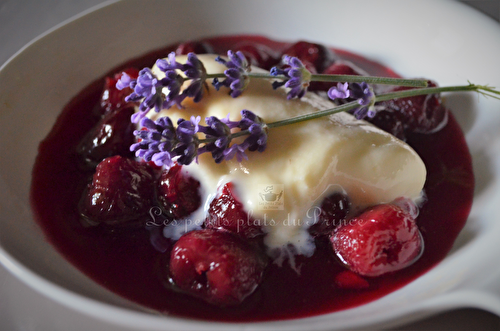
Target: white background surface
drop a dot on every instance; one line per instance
(21, 308)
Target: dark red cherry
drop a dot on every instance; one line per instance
(316, 55)
(421, 114)
(332, 212)
(391, 122)
(197, 47)
(178, 193)
(227, 212)
(112, 135)
(216, 266)
(122, 192)
(382, 239)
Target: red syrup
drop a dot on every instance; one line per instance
(125, 262)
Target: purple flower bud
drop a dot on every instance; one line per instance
(298, 76)
(366, 99)
(236, 74)
(195, 70)
(339, 92)
(218, 130)
(125, 81)
(363, 92)
(165, 144)
(235, 150)
(170, 64)
(148, 88)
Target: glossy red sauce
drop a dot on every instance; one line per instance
(125, 262)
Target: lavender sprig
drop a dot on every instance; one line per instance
(165, 144)
(196, 72)
(149, 89)
(298, 77)
(362, 92)
(158, 94)
(236, 74)
(161, 142)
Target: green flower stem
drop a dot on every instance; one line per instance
(485, 90)
(423, 91)
(370, 80)
(342, 78)
(306, 117)
(382, 97)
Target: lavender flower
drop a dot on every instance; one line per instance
(298, 77)
(341, 91)
(362, 92)
(256, 141)
(235, 150)
(195, 70)
(187, 146)
(169, 64)
(221, 132)
(236, 74)
(147, 87)
(163, 143)
(172, 81)
(366, 98)
(125, 81)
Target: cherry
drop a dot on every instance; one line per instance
(216, 266)
(113, 98)
(259, 55)
(333, 211)
(391, 122)
(197, 47)
(315, 55)
(382, 239)
(178, 193)
(112, 135)
(122, 192)
(227, 212)
(421, 114)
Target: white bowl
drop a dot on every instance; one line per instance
(452, 46)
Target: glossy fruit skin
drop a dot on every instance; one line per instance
(333, 212)
(122, 193)
(112, 135)
(391, 122)
(197, 47)
(216, 266)
(178, 193)
(382, 239)
(419, 114)
(315, 57)
(113, 98)
(227, 212)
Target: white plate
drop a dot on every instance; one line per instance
(442, 40)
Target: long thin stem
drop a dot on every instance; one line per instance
(341, 78)
(382, 97)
